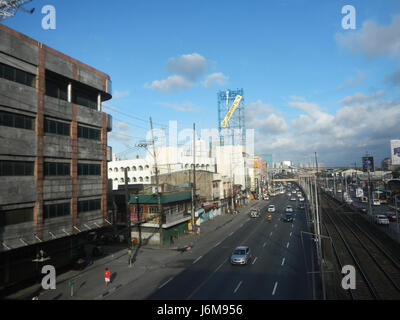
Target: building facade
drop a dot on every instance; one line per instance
(53, 154)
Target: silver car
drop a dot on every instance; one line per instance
(241, 255)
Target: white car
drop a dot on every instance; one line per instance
(301, 199)
(381, 219)
(271, 208)
(292, 199)
(376, 202)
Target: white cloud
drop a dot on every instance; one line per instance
(373, 40)
(361, 97)
(171, 84)
(355, 80)
(191, 66)
(122, 126)
(341, 137)
(119, 136)
(183, 107)
(120, 94)
(215, 78)
(262, 117)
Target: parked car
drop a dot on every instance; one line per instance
(271, 208)
(376, 202)
(301, 199)
(241, 255)
(301, 206)
(292, 199)
(381, 219)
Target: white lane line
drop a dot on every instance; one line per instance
(165, 283)
(270, 234)
(231, 233)
(237, 287)
(197, 259)
(291, 234)
(254, 261)
(217, 244)
(287, 246)
(264, 244)
(292, 225)
(273, 291)
(283, 262)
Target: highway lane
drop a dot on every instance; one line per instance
(277, 270)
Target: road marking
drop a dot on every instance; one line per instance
(217, 244)
(270, 234)
(287, 246)
(283, 262)
(197, 259)
(291, 234)
(264, 244)
(231, 233)
(237, 287)
(273, 291)
(276, 225)
(292, 225)
(165, 283)
(254, 260)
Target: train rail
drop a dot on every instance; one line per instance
(377, 271)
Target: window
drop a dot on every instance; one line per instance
(147, 166)
(147, 179)
(88, 169)
(16, 168)
(10, 217)
(17, 75)
(89, 205)
(141, 179)
(89, 133)
(115, 169)
(153, 209)
(56, 210)
(56, 89)
(16, 120)
(133, 168)
(84, 98)
(57, 127)
(134, 179)
(140, 168)
(56, 169)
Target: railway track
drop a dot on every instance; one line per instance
(377, 271)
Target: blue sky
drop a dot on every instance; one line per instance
(309, 85)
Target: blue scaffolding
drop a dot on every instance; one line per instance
(236, 129)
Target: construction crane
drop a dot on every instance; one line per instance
(8, 8)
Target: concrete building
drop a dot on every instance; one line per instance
(53, 155)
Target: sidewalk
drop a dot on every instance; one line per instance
(89, 283)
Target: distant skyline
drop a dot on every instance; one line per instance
(309, 85)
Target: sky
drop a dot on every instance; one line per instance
(310, 85)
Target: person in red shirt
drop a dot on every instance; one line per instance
(107, 274)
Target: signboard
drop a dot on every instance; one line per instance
(231, 110)
(368, 164)
(359, 193)
(395, 151)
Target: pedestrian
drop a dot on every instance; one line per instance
(107, 274)
(171, 240)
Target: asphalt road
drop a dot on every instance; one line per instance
(277, 269)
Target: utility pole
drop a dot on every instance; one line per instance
(128, 217)
(157, 183)
(194, 179)
(319, 231)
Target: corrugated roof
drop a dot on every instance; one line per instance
(164, 199)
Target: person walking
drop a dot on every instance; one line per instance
(107, 275)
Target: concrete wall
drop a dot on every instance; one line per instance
(57, 188)
(17, 190)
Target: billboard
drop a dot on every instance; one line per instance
(368, 164)
(231, 110)
(395, 151)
